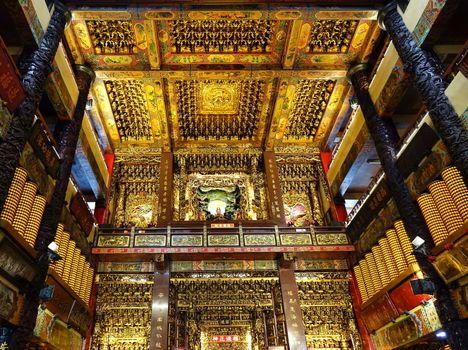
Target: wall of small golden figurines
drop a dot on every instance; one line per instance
(230, 306)
(123, 312)
(327, 311)
(135, 192)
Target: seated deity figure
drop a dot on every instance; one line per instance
(219, 214)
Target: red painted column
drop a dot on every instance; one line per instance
(100, 211)
(92, 307)
(165, 189)
(357, 301)
(338, 210)
(102, 206)
(109, 159)
(274, 188)
(325, 156)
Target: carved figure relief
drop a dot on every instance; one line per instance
(331, 36)
(221, 36)
(136, 192)
(310, 102)
(300, 179)
(112, 37)
(129, 106)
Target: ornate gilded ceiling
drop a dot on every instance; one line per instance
(256, 77)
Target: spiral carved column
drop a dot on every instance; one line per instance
(452, 129)
(33, 82)
(67, 134)
(409, 210)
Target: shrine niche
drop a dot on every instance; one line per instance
(219, 186)
(300, 177)
(135, 192)
(219, 203)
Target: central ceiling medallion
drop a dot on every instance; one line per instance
(220, 97)
(219, 109)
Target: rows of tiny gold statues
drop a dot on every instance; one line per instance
(445, 211)
(73, 267)
(123, 315)
(386, 260)
(23, 209)
(328, 314)
(445, 206)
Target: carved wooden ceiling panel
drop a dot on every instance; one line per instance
(129, 107)
(310, 101)
(219, 109)
(331, 36)
(184, 77)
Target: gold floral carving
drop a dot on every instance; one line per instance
(123, 311)
(295, 239)
(331, 36)
(135, 192)
(327, 310)
(150, 241)
(129, 107)
(113, 241)
(332, 238)
(111, 37)
(310, 101)
(219, 97)
(259, 240)
(187, 241)
(216, 36)
(223, 240)
(300, 176)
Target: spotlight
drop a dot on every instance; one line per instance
(52, 251)
(354, 103)
(441, 334)
(418, 242)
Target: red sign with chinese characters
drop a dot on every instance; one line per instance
(224, 338)
(404, 299)
(225, 225)
(11, 90)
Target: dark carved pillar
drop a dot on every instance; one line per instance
(409, 210)
(33, 81)
(160, 307)
(67, 134)
(430, 84)
(165, 190)
(274, 188)
(292, 309)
